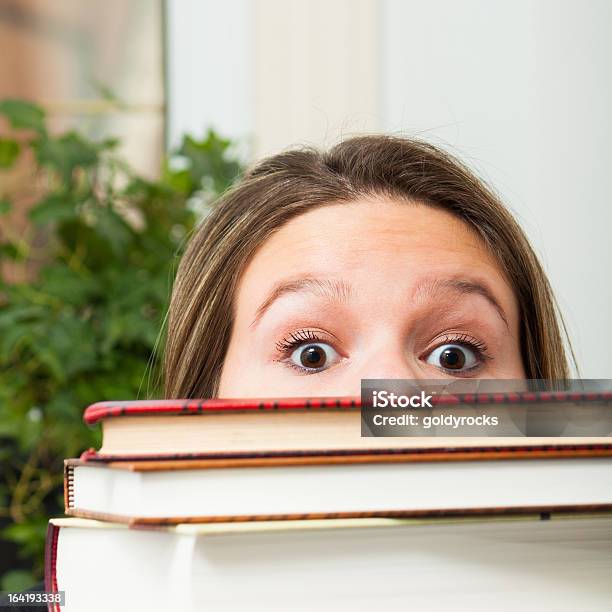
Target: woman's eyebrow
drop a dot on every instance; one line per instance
(341, 291)
(463, 286)
(327, 288)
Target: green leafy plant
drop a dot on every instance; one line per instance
(86, 327)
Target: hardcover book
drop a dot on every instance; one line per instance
(284, 427)
(502, 481)
(519, 563)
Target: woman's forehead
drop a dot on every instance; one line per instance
(367, 236)
(374, 246)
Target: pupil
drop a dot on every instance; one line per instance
(452, 358)
(312, 357)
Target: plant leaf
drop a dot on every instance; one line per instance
(17, 581)
(208, 159)
(63, 283)
(66, 153)
(23, 115)
(54, 207)
(9, 151)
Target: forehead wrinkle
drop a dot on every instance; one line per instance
(323, 287)
(461, 286)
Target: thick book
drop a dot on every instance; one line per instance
(306, 426)
(525, 563)
(406, 484)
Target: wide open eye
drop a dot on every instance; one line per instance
(314, 357)
(454, 357)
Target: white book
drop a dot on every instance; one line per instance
(192, 491)
(527, 564)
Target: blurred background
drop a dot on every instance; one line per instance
(120, 120)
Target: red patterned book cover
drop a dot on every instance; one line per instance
(223, 429)
(102, 410)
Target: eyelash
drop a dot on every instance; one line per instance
(479, 348)
(295, 339)
(287, 345)
(466, 339)
(303, 336)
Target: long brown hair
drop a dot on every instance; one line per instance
(291, 183)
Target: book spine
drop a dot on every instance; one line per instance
(68, 486)
(51, 564)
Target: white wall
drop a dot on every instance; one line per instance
(523, 91)
(520, 89)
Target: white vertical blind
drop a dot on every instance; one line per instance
(209, 68)
(316, 71)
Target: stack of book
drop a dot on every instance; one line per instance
(282, 505)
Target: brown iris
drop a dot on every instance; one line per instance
(313, 356)
(452, 358)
